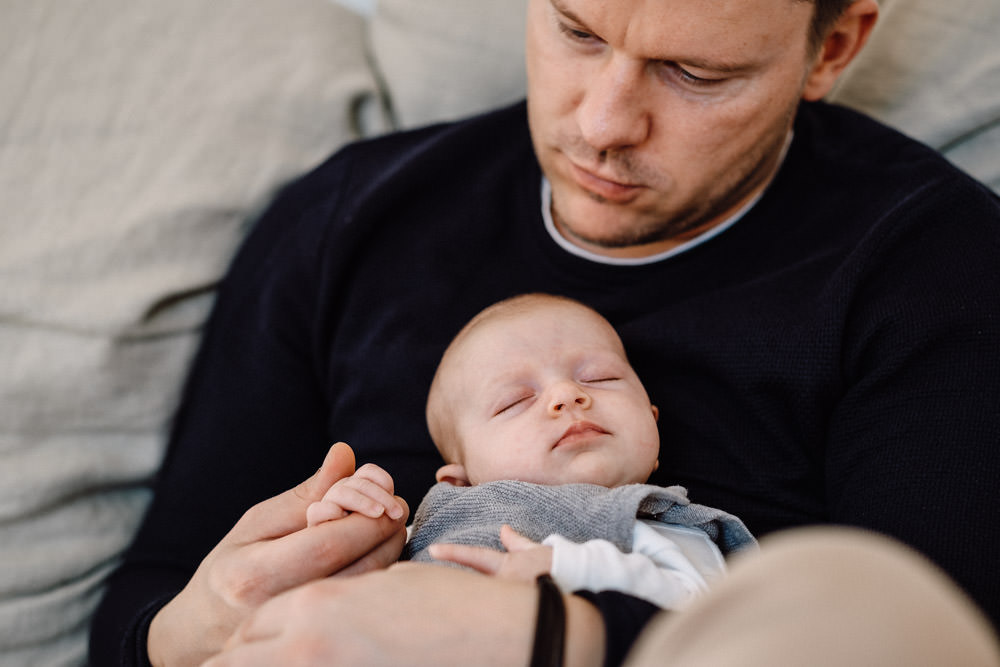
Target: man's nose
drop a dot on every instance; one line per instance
(612, 114)
(567, 396)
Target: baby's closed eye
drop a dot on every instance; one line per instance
(511, 401)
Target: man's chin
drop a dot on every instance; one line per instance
(605, 227)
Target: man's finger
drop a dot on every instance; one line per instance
(339, 463)
(264, 624)
(322, 549)
(252, 643)
(254, 654)
(483, 559)
(378, 558)
(286, 513)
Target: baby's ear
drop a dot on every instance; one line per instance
(454, 474)
(656, 413)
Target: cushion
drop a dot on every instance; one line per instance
(137, 138)
(444, 59)
(932, 69)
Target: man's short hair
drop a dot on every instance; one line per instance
(825, 14)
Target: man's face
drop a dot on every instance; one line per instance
(655, 119)
(549, 397)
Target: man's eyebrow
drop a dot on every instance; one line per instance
(566, 12)
(720, 66)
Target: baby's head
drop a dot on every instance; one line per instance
(538, 388)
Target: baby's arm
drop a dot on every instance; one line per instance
(524, 559)
(656, 570)
(369, 491)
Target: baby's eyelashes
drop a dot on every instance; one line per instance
(509, 404)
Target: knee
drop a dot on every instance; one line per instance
(827, 596)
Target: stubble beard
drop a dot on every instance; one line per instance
(755, 170)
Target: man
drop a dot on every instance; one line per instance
(811, 296)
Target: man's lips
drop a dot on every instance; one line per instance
(580, 432)
(606, 188)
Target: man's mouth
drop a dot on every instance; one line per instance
(604, 187)
(580, 432)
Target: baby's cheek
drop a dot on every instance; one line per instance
(501, 463)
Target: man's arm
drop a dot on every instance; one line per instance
(413, 614)
(912, 445)
(270, 550)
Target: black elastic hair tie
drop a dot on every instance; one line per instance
(550, 629)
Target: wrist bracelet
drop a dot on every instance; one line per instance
(550, 629)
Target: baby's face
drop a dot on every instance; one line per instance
(549, 397)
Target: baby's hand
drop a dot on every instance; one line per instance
(524, 560)
(369, 491)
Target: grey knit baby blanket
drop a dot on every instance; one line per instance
(579, 512)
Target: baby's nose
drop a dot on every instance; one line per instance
(568, 395)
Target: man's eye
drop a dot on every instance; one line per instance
(680, 74)
(576, 35)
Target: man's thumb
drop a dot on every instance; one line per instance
(286, 513)
(339, 463)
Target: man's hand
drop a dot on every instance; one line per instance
(368, 491)
(523, 561)
(409, 614)
(269, 551)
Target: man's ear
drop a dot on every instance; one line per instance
(842, 43)
(454, 474)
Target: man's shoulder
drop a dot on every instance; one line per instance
(845, 160)
(849, 138)
(482, 138)
(363, 178)
(844, 134)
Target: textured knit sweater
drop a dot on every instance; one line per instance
(474, 514)
(833, 357)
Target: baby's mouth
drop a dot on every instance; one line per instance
(578, 432)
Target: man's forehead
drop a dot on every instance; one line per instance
(709, 9)
(723, 32)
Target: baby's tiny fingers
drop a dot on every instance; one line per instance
(374, 492)
(364, 497)
(323, 510)
(482, 559)
(515, 541)
(377, 475)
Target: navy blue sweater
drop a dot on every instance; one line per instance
(834, 357)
